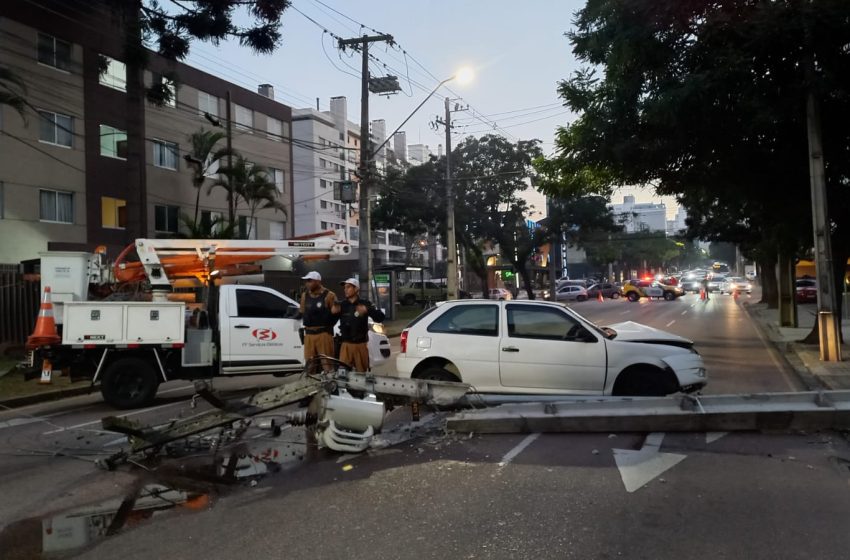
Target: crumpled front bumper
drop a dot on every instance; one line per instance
(689, 370)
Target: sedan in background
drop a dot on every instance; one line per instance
(609, 291)
(807, 291)
(736, 284)
(571, 293)
(715, 282)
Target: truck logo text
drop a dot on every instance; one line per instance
(264, 335)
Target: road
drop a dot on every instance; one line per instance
(740, 495)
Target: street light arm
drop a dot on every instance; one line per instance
(387, 139)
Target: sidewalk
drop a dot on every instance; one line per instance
(805, 358)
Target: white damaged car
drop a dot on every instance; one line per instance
(545, 348)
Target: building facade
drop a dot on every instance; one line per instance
(640, 216)
(92, 164)
(326, 151)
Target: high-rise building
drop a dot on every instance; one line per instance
(640, 216)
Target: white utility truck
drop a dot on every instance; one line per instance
(146, 331)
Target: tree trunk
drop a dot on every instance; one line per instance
(840, 254)
(769, 288)
(526, 281)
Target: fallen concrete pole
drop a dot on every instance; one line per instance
(679, 413)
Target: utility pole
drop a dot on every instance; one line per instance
(451, 234)
(829, 325)
(231, 200)
(365, 242)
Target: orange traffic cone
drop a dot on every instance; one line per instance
(735, 294)
(45, 332)
(702, 294)
(599, 296)
(46, 373)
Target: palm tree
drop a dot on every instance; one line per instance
(218, 228)
(203, 158)
(251, 183)
(12, 90)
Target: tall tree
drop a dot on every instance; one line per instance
(705, 100)
(205, 159)
(249, 183)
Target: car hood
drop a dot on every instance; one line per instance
(629, 331)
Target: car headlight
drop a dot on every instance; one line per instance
(378, 328)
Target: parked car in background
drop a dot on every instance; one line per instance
(500, 293)
(609, 290)
(806, 290)
(419, 290)
(571, 293)
(715, 282)
(736, 283)
(529, 347)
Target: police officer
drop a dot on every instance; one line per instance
(317, 304)
(354, 314)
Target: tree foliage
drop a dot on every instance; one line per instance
(705, 100)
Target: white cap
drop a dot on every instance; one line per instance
(353, 281)
(312, 275)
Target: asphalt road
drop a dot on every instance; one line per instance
(740, 495)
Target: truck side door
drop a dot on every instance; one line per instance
(259, 333)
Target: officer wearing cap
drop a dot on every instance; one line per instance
(317, 304)
(354, 314)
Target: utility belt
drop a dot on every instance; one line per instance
(318, 330)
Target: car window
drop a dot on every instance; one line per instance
(480, 320)
(421, 316)
(532, 321)
(805, 283)
(254, 303)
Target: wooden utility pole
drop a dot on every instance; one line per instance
(231, 199)
(365, 242)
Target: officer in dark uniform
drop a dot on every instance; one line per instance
(318, 318)
(354, 314)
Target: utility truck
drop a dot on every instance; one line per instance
(181, 311)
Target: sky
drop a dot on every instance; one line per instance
(518, 52)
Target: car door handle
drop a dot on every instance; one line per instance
(510, 349)
(241, 326)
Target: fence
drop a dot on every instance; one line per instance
(19, 302)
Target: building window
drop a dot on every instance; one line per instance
(324, 184)
(277, 230)
(54, 52)
(56, 129)
(56, 206)
(207, 103)
(247, 228)
(113, 212)
(172, 91)
(165, 154)
(355, 234)
(323, 163)
(278, 177)
(323, 204)
(113, 142)
(166, 218)
(275, 129)
(212, 222)
(113, 73)
(243, 116)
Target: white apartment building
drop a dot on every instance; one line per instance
(641, 216)
(326, 149)
(418, 154)
(677, 225)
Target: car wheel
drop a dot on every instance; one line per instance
(409, 299)
(633, 296)
(669, 296)
(645, 381)
(615, 295)
(581, 298)
(437, 374)
(129, 383)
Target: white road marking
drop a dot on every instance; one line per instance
(626, 312)
(670, 323)
(122, 416)
(711, 437)
(685, 312)
(19, 422)
(173, 389)
(637, 468)
(511, 455)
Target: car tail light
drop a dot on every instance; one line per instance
(404, 341)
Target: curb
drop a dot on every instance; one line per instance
(810, 381)
(26, 400)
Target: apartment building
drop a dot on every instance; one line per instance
(641, 216)
(326, 150)
(69, 179)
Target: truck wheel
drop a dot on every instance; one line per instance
(408, 299)
(633, 296)
(129, 383)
